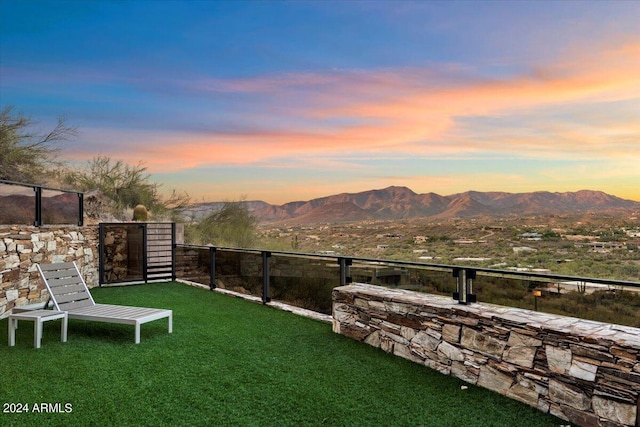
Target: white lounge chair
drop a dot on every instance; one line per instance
(69, 292)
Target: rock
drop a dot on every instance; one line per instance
(460, 370)
(621, 413)
(451, 333)
(386, 344)
(519, 355)
(524, 394)
(440, 367)
(494, 380)
(592, 352)
(360, 302)
(404, 352)
(407, 333)
(373, 339)
(353, 331)
(558, 359)
(335, 325)
(581, 418)
(570, 396)
(517, 340)
(341, 313)
(12, 294)
(450, 352)
(583, 370)
(623, 353)
(422, 339)
(483, 343)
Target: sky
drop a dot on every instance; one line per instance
(292, 100)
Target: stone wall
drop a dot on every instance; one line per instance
(22, 247)
(116, 252)
(582, 371)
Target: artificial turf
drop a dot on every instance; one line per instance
(230, 362)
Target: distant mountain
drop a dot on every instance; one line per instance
(402, 203)
(383, 204)
(20, 209)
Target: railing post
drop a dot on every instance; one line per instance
(212, 268)
(101, 257)
(38, 219)
(80, 209)
(145, 265)
(173, 251)
(345, 270)
(266, 256)
(465, 277)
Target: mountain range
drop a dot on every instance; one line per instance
(403, 203)
(20, 209)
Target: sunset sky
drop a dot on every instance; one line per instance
(292, 100)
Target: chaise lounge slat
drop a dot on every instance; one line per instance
(54, 283)
(73, 288)
(69, 293)
(75, 296)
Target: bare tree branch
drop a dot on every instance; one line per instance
(26, 154)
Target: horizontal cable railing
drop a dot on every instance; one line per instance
(307, 280)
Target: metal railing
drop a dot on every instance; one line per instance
(307, 280)
(38, 205)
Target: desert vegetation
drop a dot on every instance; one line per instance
(584, 246)
(33, 156)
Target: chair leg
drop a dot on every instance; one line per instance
(37, 333)
(13, 325)
(137, 340)
(65, 324)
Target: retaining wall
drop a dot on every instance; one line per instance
(22, 247)
(582, 371)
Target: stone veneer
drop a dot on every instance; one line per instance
(582, 371)
(22, 247)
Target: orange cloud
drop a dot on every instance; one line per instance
(420, 113)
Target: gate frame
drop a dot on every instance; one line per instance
(145, 253)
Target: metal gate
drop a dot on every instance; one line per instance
(136, 252)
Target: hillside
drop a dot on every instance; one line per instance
(403, 203)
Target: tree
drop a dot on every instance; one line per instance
(125, 185)
(232, 225)
(26, 154)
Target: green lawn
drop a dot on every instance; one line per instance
(230, 362)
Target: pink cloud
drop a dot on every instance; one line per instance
(415, 112)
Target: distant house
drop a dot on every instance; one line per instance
(530, 236)
(633, 233)
(523, 249)
(468, 241)
(606, 246)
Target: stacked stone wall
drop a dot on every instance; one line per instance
(116, 253)
(582, 371)
(22, 247)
